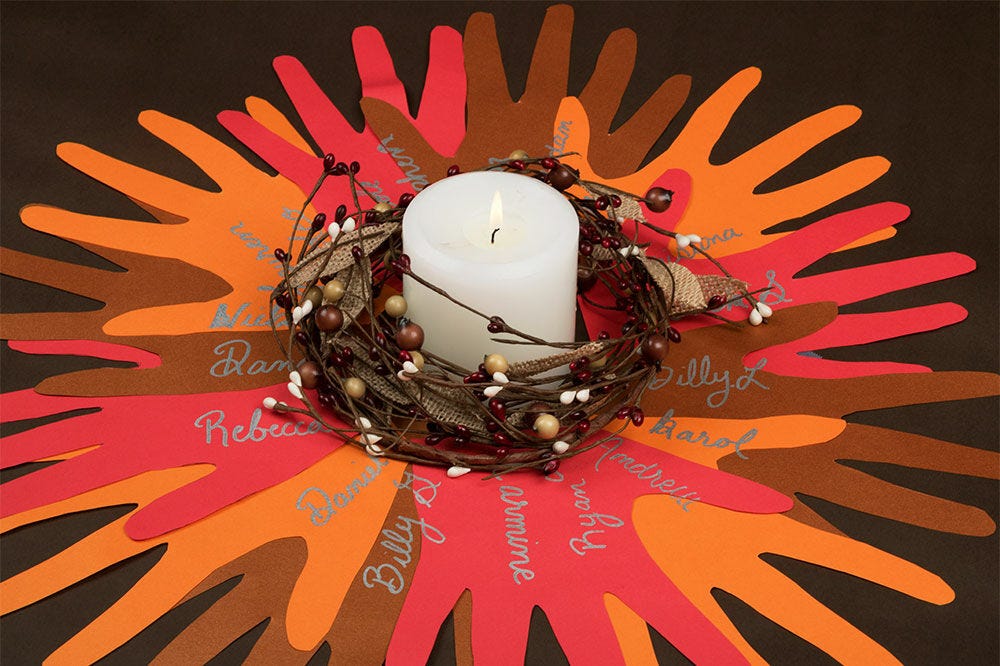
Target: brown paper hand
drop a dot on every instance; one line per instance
(497, 124)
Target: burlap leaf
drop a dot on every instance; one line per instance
(357, 279)
(453, 406)
(691, 292)
(535, 366)
(316, 262)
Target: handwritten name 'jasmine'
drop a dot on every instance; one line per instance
(514, 522)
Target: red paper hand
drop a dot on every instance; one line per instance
(250, 447)
(773, 268)
(560, 543)
(440, 118)
(497, 124)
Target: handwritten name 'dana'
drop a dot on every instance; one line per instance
(235, 360)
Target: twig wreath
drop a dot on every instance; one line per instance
(364, 358)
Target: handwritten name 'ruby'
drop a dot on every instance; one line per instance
(581, 544)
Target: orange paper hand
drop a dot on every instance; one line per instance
(243, 222)
(720, 549)
(338, 539)
(725, 209)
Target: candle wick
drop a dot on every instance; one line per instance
(494, 235)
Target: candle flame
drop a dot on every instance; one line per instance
(496, 215)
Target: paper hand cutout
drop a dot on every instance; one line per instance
(140, 285)
(774, 268)
(269, 577)
(803, 455)
(714, 548)
(196, 363)
(498, 125)
(382, 165)
(708, 374)
(251, 448)
(720, 190)
(818, 470)
(337, 542)
(244, 222)
(561, 543)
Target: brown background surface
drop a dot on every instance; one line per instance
(925, 75)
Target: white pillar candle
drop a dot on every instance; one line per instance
(502, 243)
